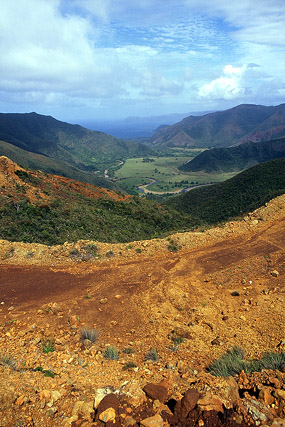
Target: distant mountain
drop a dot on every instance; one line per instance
(28, 159)
(81, 147)
(236, 158)
(136, 127)
(225, 128)
(241, 194)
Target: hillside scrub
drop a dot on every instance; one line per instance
(234, 197)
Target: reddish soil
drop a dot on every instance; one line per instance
(224, 287)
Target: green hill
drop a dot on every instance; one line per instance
(42, 208)
(230, 159)
(83, 148)
(225, 128)
(236, 196)
(47, 164)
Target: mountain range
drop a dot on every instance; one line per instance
(235, 126)
(80, 147)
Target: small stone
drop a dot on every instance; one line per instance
(11, 308)
(103, 301)
(235, 294)
(217, 341)
(266, 396)
(51, 412)
(210, 403)
(108, 415)
(129, 422)
(274, 273)
(55, 309)
(21, 400)
(155, 421)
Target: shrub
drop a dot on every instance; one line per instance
(129, 365)
(232, 363)
(152, 355)
(91, 249)
(90, 334)
(74, 252)
(111, 353)
(128, 350)
(177, 340)
(47, 373)
(273, 360)
(48, 345)
(138, 250)
(7, 360)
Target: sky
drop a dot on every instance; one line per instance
(81, 60)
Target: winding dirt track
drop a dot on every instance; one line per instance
(153, 295)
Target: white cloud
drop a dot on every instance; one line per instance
(228, 86)
(256, 21)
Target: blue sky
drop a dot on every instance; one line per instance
(110, 59)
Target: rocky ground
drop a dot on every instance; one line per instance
(190, 297)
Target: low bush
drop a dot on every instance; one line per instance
(152, 355)
(232, 363)
(128, 350)
(90, 334)
(129, 365)
(48, 345)
(111, 353)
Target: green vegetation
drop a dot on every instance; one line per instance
(79, 217)
(236, 196)
(152, 355)
(90, 334)
(48, 345)
(83, 148)
(47, 164)
(232, 363)
(236, 158)
(70, 214)
(162, 175)
(111, 353)
(129, 365)
(128, 350)
(46, 372)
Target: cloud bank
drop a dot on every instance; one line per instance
(73, 58)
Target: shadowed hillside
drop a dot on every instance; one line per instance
(81, 147)
(242, 193)
(27, 159)
(236, 158)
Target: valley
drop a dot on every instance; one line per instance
(124, 303)
(162, 175)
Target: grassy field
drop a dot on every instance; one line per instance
(164, 171)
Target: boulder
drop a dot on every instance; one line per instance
(156, 392)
